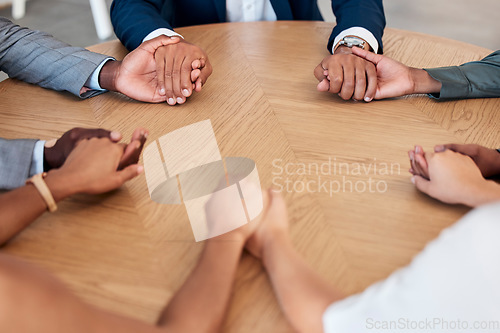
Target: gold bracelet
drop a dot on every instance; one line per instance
(44, 190)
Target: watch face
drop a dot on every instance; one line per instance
(353, 41)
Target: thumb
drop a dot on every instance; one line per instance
(129, 172)
(451, 146)
(422, 184)
(370, 56)
(152, 44)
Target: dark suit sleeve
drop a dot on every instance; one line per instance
(15, 162)
(135, 19)
(368, 14)
(474, 79)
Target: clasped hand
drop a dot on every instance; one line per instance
(163, 69)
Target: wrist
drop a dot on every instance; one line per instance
(486, 192)
(275, 241)
(342, 49)
(109, 74)
(423, 83)
(229, 241)
(60, 185)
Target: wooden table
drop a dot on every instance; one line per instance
(125, 253)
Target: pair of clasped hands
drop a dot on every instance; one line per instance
(181, 68)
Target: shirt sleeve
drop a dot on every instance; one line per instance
(161, 31)
(474, 79)
(368, 14)
(453, 279)
(93, 81)
(37, 159)
(358, 32)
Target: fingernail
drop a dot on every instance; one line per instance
(180, 100)
(368, 99)
(185, 92)
(413, 179)
(417, 149)
(162, 91)
(171, 101)
(439, 148)
(146, 134)
(140, 169)
(412, 155)
(115, 135)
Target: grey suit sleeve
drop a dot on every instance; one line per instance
(15, 162)
(37, 57)
(471, 80)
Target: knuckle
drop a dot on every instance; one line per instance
(337, 79)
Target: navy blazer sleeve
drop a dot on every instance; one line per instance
(473, 79)
(147, 17)
(368, 14)
(135, 19)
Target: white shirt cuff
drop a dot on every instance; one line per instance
(358, 32)
(161, 31)
(93, 81)
(37, 160)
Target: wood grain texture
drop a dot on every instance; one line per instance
(125, 253)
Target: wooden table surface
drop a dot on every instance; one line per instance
(125, 253)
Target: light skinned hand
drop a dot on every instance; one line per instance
(273, 223)
(136, 76)
(487, 159)
(395, 79)
(418, 163)
(56, 152)
(347, 75)
(182, 68)
(455, 179)
(92, 167)
(221, 213)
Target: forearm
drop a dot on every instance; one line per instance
(302, 293)
(28, 292)
(38, 58)
(486, 192)
(476, 79)
(135, 19)
(15, 162)
(368, 14)
(201, 303)
(20, 207)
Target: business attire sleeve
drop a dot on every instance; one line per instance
(37, 57)
(15, 162)
(471, 80)
(368, 14)
(135, 19)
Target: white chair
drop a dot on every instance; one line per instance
(99, 12)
